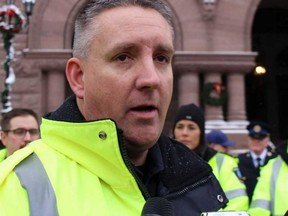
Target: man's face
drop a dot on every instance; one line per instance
(13, 140)
(258, 145)
(128, 73)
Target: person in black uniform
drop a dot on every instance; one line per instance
(260, 152)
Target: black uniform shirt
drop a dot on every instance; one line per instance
(251, 173)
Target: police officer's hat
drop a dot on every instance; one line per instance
(258, 130)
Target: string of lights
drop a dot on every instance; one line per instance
(12, 21)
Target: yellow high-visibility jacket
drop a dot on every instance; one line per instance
(270, 194)
(3, 153)
(82, 169)
(225, 169)
(85, 173)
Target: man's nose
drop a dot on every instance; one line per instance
(27, 136)
(148, 76)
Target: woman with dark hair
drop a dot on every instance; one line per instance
(189, 129)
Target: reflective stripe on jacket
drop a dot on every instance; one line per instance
(270, 194)
(224, 168)
(80, 186)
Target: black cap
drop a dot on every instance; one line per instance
(193, 113)
(258, 129)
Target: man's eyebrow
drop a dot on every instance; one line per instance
(119, 48)
(123, 46)
(135, 46)
(167, 49)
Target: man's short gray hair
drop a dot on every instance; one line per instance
(84, 35)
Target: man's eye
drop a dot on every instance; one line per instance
(122, 57)
(19, 131)
(162, 58)
(34, 131)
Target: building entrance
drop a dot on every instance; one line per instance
(266, 95)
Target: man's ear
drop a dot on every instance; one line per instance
(74, 76)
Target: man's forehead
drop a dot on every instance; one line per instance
(22, 120)
(134, 14)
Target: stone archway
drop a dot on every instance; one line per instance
(266, 95)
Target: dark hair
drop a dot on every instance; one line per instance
(5, 122)
(84, 34)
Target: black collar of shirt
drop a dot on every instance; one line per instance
(148, 173)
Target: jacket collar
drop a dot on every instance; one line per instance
(68, 112)
(87, 143)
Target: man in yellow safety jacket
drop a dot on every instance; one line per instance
(19, 127)
(270, 194)
(102, 152)
(229, 176)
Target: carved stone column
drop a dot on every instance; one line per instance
(188, 88)
(214, 65)
(236, 97)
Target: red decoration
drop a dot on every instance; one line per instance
(214, 94)
(11, 19)
(218, 88)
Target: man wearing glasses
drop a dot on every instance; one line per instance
(18, 128)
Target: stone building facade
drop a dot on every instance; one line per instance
(213, 44)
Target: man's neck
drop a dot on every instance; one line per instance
(139, 158)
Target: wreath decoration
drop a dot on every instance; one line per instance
(214, 94)
(11, 19)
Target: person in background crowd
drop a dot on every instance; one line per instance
(102, 152)
(189, 129)
(258, 155)
(270, 194)
(219, 141)
(18, 128)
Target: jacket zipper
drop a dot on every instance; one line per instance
(127, 162)
(191, 187)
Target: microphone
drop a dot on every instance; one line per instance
(157, 206)
(225, 213)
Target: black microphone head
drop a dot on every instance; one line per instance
(157, 206)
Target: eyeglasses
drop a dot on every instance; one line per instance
(21, 132)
